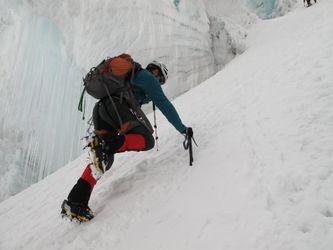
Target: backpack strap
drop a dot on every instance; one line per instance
(114, 105)
(81, 107)
(132, 102)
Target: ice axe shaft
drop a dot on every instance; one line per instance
(188, 143)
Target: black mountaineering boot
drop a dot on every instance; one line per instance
(76, 205)
(76, 211)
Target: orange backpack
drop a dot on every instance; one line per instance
(120, 65)
(111, 77)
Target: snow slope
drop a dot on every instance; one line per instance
(262, 176)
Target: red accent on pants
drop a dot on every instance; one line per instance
(87, 176)
(133, 142)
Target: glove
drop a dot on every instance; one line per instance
(188, 132)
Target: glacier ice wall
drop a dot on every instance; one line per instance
(229, 21)
(37, 104)
(47, 46)
(271, 8)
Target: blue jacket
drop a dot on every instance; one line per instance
(147, 88)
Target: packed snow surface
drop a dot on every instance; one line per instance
(263, 171)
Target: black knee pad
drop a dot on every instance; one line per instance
(113, 143)
(150, 142)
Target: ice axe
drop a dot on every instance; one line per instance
(188, 143)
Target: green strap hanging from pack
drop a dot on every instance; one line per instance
(82, 106)
(81, 101)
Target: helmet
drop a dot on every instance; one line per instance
(161, 67)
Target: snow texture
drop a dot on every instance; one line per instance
(262, 176)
